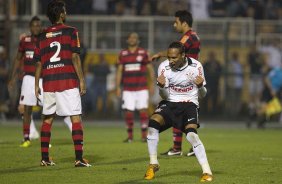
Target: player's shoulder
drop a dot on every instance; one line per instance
(194, 62)
(124, 52)
(165, 65)
(26, 38)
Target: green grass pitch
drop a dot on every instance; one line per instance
(236, 156)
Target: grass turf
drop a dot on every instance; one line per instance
(235, 155)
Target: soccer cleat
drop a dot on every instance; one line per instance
(172, 152)
(191, 153)
(48, 162)
(25, 144)
(128, 140)
(82, 163)
(206, 177)
(150, 173)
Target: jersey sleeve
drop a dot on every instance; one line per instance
(75, 43)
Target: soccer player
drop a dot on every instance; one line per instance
(181, 81)
(182, 24)
(28, 99)
(133, 66)
(58, 60)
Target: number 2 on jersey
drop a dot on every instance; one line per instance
(55, 57)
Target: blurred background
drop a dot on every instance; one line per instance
(238, 38)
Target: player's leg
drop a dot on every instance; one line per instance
(67, 121)
(142, 104)
(154, 126)
(129, 104)
(45, 140)
(77, 137)
(26, 126)
(200, 152)
(69, 104)
(144, 123)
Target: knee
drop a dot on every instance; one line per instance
(154, 124)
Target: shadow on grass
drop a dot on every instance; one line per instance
(34, 168)
(124, 161)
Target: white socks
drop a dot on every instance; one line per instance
(67, 121)
(200, 151)
(152, 141)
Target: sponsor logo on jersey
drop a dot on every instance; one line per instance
(53, 34)
(132, 67)
(29, 54)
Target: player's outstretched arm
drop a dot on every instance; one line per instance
(151, 78)
(158, 55)
(77, 66)
(16, 65)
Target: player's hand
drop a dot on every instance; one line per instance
(118, 92)
(82, 87)
(161, 80)
(199, 80)
(37, 91)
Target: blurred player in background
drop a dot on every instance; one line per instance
(181, 82)
(182, 24)
(133, 66)
(58, 59)
(28, 99)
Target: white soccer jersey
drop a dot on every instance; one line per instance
(180, 83)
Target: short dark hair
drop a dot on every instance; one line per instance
(177, 45)
(35, 18)
(184, 16)
(54, 10)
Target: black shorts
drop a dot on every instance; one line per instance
(177, 114)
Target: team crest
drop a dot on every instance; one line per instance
(27, 39)
(139, 58)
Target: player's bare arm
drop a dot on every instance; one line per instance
(37, 77)
(16, 65)
(118, 80)
(77, 66)
(151, 78)
(158, 55)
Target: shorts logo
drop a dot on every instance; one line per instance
(22, 97)
(158, 110)
(191, 119)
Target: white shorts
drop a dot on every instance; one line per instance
(135, 100)
(65, 103)
(28, 92)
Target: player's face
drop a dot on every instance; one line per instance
(175, 58)
(177, 25)
(133, 40)
(35, 27)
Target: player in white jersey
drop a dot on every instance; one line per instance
(181, 80)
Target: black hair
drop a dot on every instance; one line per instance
(54, 10)
(35, 18)
(184, 16)
(177, 45)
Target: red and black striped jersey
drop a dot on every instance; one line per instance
(27, 47)
(56, 45)
(192, 44)
(134, 74)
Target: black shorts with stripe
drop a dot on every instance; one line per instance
(177, 114)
